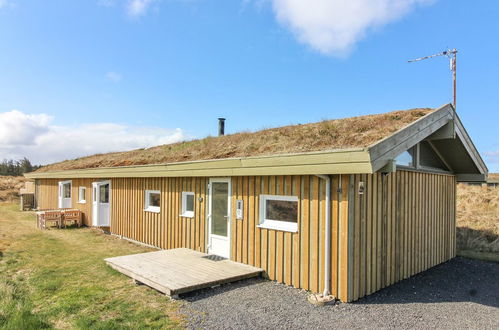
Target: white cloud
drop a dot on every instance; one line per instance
(133, 8)
(492, 156)
(137, 8)
(114, 76)
(4, 3)
(20, 129)
(35, 137)
(333, 27)
(492, 160)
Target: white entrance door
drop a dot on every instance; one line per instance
(64, 194)
(219, 217)
(101, 196)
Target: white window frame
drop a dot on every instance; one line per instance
(63, 183)
(276, 224)
(185, 213)
(80, 189)
(60, 197)
(147, 200)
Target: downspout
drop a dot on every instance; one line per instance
(327, 241)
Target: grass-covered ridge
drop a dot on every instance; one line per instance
(58, 279)
(478, 219)
(9, 187)
(325, 135)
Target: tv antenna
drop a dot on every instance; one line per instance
(452, 55)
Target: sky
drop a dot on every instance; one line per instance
(93, 76)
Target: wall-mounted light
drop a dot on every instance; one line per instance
(361, 187)
(239, 209)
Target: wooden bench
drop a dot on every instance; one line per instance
(71, 216)
(46, 217)
(59, 217)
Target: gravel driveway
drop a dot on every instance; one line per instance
(461, 293)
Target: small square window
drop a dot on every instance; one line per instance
(279, 212)
(152, 201)
(187, 204)
(82, 192)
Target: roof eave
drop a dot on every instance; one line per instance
(341, 161)
(429, 126)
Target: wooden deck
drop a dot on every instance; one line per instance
(177, 271)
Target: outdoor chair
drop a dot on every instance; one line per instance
(71, 216)
(47, 217)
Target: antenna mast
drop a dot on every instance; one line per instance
(452, 55)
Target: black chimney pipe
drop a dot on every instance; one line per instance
(221, 126)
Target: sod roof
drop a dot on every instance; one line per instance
(347, 133)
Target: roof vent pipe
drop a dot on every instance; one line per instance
(221, 126)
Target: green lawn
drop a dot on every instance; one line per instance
(57, 279)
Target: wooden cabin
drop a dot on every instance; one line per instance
(344, 206)
(492, 181)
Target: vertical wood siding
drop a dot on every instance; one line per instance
(166, 229)
(86, 207)
(407, 226)
(47, 193)
(48, 196)
(402, 224)
(295, 259)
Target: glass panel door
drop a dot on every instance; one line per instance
(64, 194)
(220, 207)
(101, 203)
(104, 193)
(219, 217)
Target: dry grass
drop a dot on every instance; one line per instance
(493, 176)
(58, 279)
(9, 187)
(326, 135)
(478, 218)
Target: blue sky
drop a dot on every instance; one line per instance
(79, 77)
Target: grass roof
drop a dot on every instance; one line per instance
(326, 135)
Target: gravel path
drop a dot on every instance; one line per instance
(461, 293)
